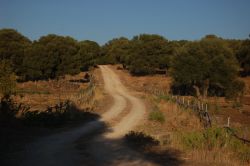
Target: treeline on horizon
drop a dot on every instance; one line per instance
(209, 65)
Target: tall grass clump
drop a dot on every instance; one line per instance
(165, 97)
(157, 116)
(215, 138)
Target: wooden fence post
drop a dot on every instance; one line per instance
(228, 122)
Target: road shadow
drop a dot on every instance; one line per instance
(87, 145)
(98, 150)
(22, 138)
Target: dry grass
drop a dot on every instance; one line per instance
(178, 120)
(175, 119)
(41, 94)
(247, 83)
(143, 83)
(216, 157)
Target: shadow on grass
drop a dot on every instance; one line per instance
(19, 133)
(83, 145)
(61, 114)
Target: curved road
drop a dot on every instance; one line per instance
(105, 149)
(120, 94)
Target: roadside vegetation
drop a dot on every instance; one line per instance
(48, 83)
(215, 139)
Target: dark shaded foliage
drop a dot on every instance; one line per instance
(148, 53)
(8, 110)
(140, 140)
(12, 48)
(88, 53)
(49, 57)
(243, 56)
(60, 114)
(208, 66)
(203, 64)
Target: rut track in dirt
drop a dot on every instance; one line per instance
(114, 86)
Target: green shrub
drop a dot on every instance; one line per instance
(209, 139)
(140, 67)
(192, 140)
(242, 150)
(157, 116)
(165, 97)
(216, 137)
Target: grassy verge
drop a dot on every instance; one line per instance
(215, 139)
(157, 116)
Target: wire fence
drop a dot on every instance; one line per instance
(86, 95)
(199, 107)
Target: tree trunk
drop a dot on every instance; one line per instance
(197, 91)
(205, 88)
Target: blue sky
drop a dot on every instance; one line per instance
(102, 20)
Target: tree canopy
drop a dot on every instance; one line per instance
(210, 65)
(243, 56)
(51, 56)
(12, 47)
(115, 50)
(147, 53)
(7, 79)
(88, 53)
(47, 58)
(203, 64)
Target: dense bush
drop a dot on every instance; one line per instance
(243, 56)
(116, 50)
(12, 48)
(205, 67)
(140, 140)
(7, 79)
(88, 53)
(203, 64)
(148, 53)
(49, 57)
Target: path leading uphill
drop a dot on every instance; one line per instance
(102, 149)
(121, 96)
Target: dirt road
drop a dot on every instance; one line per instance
(102, 149)
(120, 94)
